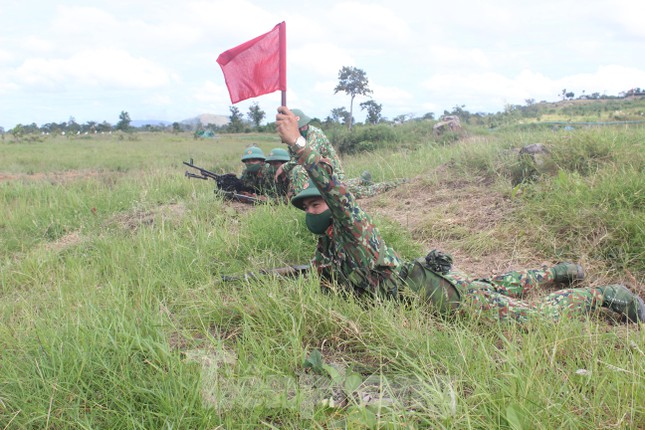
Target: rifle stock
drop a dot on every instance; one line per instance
(286, 272)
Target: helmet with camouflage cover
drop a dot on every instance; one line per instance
(309, 190)
(278, 154)
(253, 152)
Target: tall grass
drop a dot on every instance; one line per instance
(114, 314)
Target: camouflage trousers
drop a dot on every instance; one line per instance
(502, 297)
(362, 189)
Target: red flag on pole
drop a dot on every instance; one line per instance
(256, 67)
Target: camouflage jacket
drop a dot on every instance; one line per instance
(352, 252)
(261, 181)
(316, 140)
(281, 185)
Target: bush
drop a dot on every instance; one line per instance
(360, 139)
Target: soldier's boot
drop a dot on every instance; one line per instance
(567, 273)
(619, 299)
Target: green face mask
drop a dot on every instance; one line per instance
(318, 223)
(253, 168)
(303, 133)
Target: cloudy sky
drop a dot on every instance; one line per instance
(155, 59)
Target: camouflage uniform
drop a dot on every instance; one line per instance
(280, 186)
(362, 189)
(261, 181)
(353, 254)
(297, 174)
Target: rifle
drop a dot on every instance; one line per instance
(231, 195)
(229, 184)
(286, 272)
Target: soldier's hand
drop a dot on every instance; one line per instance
(279, 172)
(286, 124)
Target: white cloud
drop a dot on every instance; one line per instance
(211, 93)
(391, 96)
(457, 57)
(628, 14)
(320, 60)
(5, 56)
(106, 68)
(159, 100)
(490, 91)
(359, 24)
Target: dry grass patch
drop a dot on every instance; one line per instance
(463, 217)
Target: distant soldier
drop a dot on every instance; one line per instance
(276, 158)
(351, 253)
(363, 186)
(256, 173)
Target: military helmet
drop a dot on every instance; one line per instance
(253, 152)
(310, 190)
(278, 154)
(303, 119)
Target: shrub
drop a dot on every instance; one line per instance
(360, 139)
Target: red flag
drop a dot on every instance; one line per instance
(256, 67)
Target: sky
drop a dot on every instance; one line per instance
(156, 59)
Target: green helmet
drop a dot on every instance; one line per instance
(310, 190)
(253, 152)
(303, 119)
(278, 154)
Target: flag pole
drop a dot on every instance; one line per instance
(283, 61)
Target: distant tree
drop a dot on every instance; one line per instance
(104, 127)
(373, 111)
(1, 130)
(18, 131)
(176, 127)
(73, 126)
(563, 94)
(459, 111)
(256, 115)
(339, 116)
(352, 81)
(50, 127)
(124, 121)
(89, 127)
(235, 124)
(400, 119)
(429, 115)
(570, 95)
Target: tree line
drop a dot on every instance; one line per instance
(351, 80)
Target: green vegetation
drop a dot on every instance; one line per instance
(112, 313)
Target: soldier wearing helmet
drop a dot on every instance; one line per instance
(256, 173)
(315, 138)
(352, 254)
(276, 158)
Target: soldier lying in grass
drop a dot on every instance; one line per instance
(352, 253)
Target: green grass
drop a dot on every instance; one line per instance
(113, 314)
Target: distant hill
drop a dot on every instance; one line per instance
(207, 118)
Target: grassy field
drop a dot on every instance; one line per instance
(113, 312)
